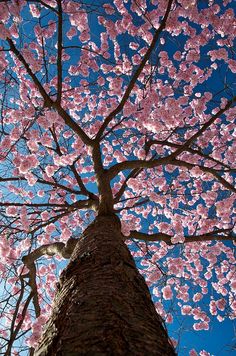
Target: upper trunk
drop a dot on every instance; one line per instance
(103, 306)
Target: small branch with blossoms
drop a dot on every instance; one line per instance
(137, 73)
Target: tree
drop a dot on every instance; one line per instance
(117, 139)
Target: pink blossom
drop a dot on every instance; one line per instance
(50, 228)
(186, 310)
(201, 326)
(11, 211)
(50, 170)
(197, 297)
(108, 9)
(167, 293)
(34, 10)
(232, 65)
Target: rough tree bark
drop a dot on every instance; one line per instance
(103, 306)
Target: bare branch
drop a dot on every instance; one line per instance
(217, 235)
(59, 248)
(18, 327)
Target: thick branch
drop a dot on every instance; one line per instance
(187, 149)
(114, 170)
(212, 171)
(132, 164)
(59, 248)
(217, 235)
(103, 183)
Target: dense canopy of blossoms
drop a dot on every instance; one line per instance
(125, 107)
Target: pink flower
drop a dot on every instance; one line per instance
(50, 170)
(186, 310)
(11, 211)
(50, 228)
(232, 65)
(108, 9)
(167, 293)
(197, 297)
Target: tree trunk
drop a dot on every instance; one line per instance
(103, 306)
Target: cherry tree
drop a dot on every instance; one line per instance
(117, 144)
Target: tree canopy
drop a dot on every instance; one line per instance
(117, 107)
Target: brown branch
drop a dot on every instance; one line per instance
(212, 171)
(203, 128)
(80, 204)
(46, 97)
(209, 236)
(187, 149)
(42, 181)
(59, 248)
(136, 74)
(59, 52)
(133, 174)
(132, 164)
(141, 202)
(37, 1)
(13, 333)
(114, 170)
(48, 102)
(18, 327)
(35, 205)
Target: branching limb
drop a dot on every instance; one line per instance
(59, 52)
(217, 235)
(133, 174)
(132, 164)
(136, 73)
(48, 102)
(83, 188)
(212, 171)
(41, 181)
(15, 331)
(203, 128)
(135, 164)
(135, 205)
(188, 149)
(59, 248)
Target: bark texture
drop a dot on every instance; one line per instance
(103, 306)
